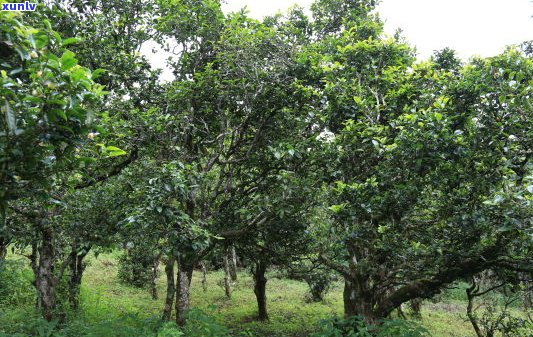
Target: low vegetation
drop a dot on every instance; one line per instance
(111, 308)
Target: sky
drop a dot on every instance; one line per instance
(471, 27)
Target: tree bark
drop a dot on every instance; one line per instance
(227, 276)
(153, 277)
(3, 241)
(204, 276)
(171, 288)
(185, 269)
(260, 289)
(3, 250)
(76, 269)
(233, 264)
(45, 281)
(358, 302)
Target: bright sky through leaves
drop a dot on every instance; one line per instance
(472, 27)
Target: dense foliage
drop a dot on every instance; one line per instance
(313, 145)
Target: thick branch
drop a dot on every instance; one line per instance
(335, 266)
(116, 170)
(428, 287)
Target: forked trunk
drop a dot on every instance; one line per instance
(185, 269)
(171, 288)
(260, 289)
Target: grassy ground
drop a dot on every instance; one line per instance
(289, 313)
(104, 298)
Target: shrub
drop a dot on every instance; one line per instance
(16, 284)
(319, 282)
(356, 327)
(199, 324)
(135, 267)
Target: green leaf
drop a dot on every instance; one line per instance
(96, 73)
(61, 113)
(113, 151)
(70, 40)
(10, 117)
(23, 53)
(336, 208)
(68, 60)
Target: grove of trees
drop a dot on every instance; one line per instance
(300, 140)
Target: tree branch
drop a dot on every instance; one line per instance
(116, 170)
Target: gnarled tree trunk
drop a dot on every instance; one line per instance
(171, 288)
(185, 269)
(45, 281)
(357, 301)
(260, 281)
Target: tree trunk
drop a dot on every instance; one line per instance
(470, 311)
(416, 307)
(45, 281)
(358, 302)
(76, 269)
(171, 288)
(3, 250)
(185, 269)
(204, 276)
(233, 264)
(3, 241)
(153, 277)
(260, 289)
(227, 276)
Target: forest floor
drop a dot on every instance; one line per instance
(105, 299)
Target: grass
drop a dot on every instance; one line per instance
(106, 304)
(289, 313)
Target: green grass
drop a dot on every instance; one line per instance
(108, 305)
(289, 313)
